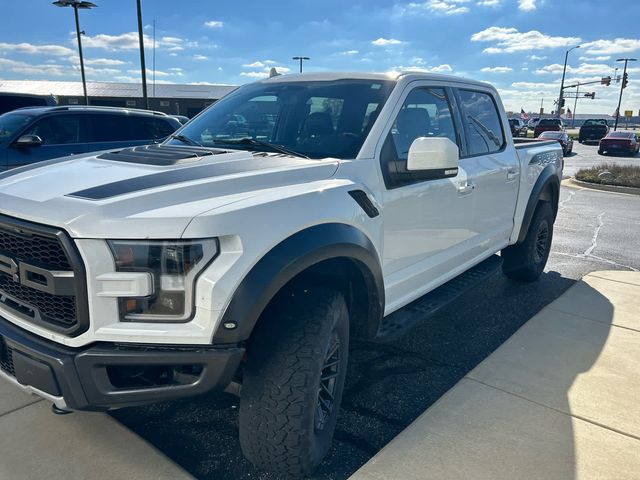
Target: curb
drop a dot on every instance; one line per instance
(605, 188)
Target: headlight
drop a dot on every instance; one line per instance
(174, 267)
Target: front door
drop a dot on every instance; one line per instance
(428, 224)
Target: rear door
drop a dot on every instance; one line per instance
(62, 134)
(492, 165)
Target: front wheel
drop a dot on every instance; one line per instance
(526, 261)
(293, 381)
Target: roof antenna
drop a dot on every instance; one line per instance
(273, 72)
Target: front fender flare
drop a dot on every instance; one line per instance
(291, 257)
(548, 179)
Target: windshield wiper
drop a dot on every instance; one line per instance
(261, 143)
(187, 140)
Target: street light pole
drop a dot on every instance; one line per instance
(622, 87)
(76, 4)
(301, 59)
(143, 67)
(575, 106)
(564, 71)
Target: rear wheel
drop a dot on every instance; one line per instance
(526, 261)
(293, 382)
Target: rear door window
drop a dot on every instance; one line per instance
(483, 126)
(111, 128)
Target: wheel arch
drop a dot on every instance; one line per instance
(546, 188)
(334, 253)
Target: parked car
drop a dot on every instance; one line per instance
(531, 124)
(561, 137)
(257, 258)
(11, 101)
(548, 125)
(619, 142)
(593, 130)
(518, 127)
(30, 135)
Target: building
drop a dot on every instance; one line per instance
(174, 99)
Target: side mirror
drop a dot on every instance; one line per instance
(28, 141)
(438, 156)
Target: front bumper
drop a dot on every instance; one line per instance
(109, 375)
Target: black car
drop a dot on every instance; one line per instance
(518, 127)
(593, 130)
(11, 101)
(30, 135)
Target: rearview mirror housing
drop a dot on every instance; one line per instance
(28, 141)
(437, 156)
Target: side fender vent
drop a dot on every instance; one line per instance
(365, 203)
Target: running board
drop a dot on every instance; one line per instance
(402, 320)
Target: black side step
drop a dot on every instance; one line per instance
(397, 323)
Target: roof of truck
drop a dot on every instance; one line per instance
(392, 76)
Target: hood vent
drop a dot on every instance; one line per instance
(160, 155)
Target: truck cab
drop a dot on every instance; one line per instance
(293, 215)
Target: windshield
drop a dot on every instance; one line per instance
(10, 124)
(621, 134)
(310, 118)
(595, 122)
(549, 121)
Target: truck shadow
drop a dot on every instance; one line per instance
(388, 386)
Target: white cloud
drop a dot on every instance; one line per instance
(104, 61)
(444, 7)
(130, 41)
(254, 74)
(159, 73)
(264, 73)
(509, 40)
(200, 57)
(348, 52)
(602, 58)
(214, 24)
(256, 64)
(618, 45)
(489, 3)
(536, 57)
(384, 42)
(496, 69)
(29, 48)
(43, 70)
(527, 5)
(583, 69)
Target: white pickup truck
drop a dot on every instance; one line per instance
(247, 249)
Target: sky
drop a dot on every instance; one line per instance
(517, 45)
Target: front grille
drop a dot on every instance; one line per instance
(6, 359)
(23, 243)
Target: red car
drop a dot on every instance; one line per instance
(548, 125)
(561, 137)
(619, 142)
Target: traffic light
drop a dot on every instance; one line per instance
(562, 102)
(606, 81)
(590, 95)
(625, 80)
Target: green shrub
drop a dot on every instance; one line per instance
(623, 176)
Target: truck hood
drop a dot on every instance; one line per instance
(146, 192)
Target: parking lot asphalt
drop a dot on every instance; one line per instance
(390, 385)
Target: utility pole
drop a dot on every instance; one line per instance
(143, 68)
(564, 71)
(575, 105)
(301, 59)
(623, 85)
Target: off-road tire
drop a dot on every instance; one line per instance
(280, 428)
(526, 261)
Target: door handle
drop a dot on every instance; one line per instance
(465, 188)
(512, 174)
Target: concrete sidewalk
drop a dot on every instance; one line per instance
(35, 443)
(559, 400)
